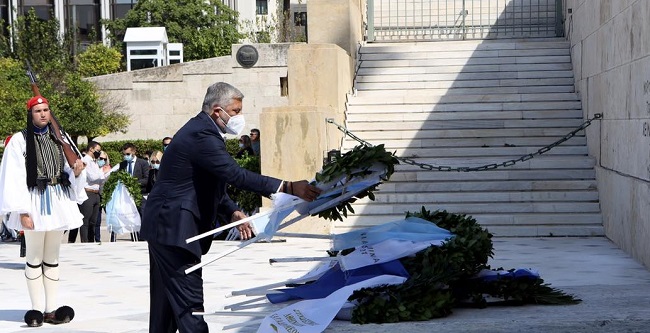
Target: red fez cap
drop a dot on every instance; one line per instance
(36, 100)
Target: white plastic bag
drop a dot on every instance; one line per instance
(121, 213)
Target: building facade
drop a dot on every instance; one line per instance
(84, 16)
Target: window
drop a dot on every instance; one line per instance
(82, 17)
(143, 63)
(119, 8)
(4, 16)
(144, 52)
(300, 19)
(262, 7)
(43, 8)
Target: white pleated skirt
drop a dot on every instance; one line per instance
(51, 210)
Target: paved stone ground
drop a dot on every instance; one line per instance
(107, 285)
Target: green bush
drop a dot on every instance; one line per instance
(247, 201)
(99, 59)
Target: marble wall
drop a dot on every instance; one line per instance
(610, 48)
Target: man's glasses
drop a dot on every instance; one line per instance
(253, 134)
(127, 154)
(155, 162)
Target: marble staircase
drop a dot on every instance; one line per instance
(468, 104)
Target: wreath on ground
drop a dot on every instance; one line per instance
(131, 183)
(443, 277)
(357, 162)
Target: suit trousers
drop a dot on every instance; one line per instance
(173, 294)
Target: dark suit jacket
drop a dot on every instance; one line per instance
(191, 187)
(140, 171)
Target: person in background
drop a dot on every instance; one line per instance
(165, 142)
(245, 147)
(189, 196)
(105, 165)
(156, 157)
(255, 141)
(137, 168)
(41, 191)
(90, 208)
(147, 156)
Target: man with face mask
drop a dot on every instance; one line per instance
(189, 197)
(40, 192)
(95, 177)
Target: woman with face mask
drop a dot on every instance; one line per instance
(155, 158)
(245, 147)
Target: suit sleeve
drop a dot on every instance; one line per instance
(216, 160)
(226, 208)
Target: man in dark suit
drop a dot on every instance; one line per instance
(137, 167)
(188, 199)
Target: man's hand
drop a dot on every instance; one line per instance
(303, 190)
(78, 167)
(26, 221)
(245, 229)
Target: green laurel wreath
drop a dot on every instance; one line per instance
(131, 183)
(441, 278)
(355, 162)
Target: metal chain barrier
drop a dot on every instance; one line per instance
(492, 166)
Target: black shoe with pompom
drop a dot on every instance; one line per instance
(34, 318)
(62, 315)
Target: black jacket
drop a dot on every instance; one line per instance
(190, 191)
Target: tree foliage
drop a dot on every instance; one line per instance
(14, 92)
(75, 102)
(207, 28)
(99, 59)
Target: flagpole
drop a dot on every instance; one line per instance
(240, 246)
(301, 259)
(299, 235)
(246, 302)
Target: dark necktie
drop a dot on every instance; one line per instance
(130, 169)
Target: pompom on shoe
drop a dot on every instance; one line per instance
(62, 315)
(34, 318)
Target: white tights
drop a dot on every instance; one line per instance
(42, 268)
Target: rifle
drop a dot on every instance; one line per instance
(70, 151)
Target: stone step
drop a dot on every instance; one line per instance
(459, 54)
(468, 124)
(546, 161)
(494, 175)
(482, 197)
(445, 106)
(361, 116)
(499, 153)
(427, 62)
(467, 45)
(388, 133)
(394, 143)
(486, 186)
(421, 97)
(400, 89)
(515, 85)
(521, 70)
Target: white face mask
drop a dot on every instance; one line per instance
(155, 166)
(241, 145)
(235, 125)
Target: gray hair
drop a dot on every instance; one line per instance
(220, 94)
